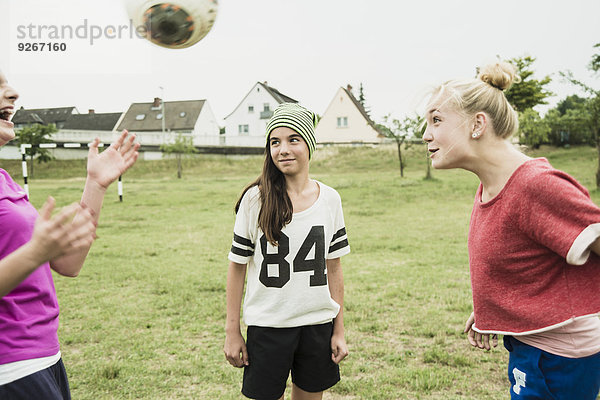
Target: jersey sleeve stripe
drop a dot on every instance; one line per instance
(241, 252)
(338, 245)
(339, 234)
(243, 241)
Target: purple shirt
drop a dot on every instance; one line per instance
(28, 314)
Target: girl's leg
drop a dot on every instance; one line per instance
(299, 394)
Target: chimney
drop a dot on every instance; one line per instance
(91, 111)
(265, 83)
(157, 102)
(349, 88)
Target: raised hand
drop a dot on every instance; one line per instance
(62, 234)
(104, 168)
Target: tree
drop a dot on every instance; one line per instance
(595, 63)
(569, 103)
(569, 125)
(533, 130)
(361, 100)
(35, 135)
(183, 144)
(529, 92)
(592, 106)
(400, 131)
(361, 95)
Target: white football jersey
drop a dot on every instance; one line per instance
(287, 284)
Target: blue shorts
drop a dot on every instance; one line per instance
(535, 374)
(48, 384)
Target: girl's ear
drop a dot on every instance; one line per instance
(480, 122)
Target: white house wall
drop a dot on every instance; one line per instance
(153, 138)
(357, 130)
(257, 97)
(206, 129)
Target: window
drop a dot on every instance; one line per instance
(182, 114)
(342, 122)
(159, 116)
(243, 130)
(250, 109)
(140, 117)
(266, 107)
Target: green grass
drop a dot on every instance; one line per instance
(145, 318)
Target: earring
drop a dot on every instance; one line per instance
(475, 135)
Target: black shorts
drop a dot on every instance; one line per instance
(274, 352)
(48, 384)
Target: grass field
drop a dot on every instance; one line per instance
(145, 318)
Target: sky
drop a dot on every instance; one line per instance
(306, 49)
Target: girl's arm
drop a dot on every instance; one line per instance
(595, 247)
(234, 341)
(339, 349)
(102, 170)
(52, 237)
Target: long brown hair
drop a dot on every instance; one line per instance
(276, 207)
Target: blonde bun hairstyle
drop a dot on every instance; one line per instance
(500, 75)
(485, 94)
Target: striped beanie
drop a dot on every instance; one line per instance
(298, 118)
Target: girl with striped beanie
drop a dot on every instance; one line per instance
(289, 235)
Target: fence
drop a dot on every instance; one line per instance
(24, 148)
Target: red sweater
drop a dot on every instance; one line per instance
(519, 243)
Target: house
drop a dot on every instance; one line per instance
(83, 128)
(72, 128)
(43, 116)
(92, 121)
(188, 117)
(345, 121)
(246, 124)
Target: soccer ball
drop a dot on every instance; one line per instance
(175, 24)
